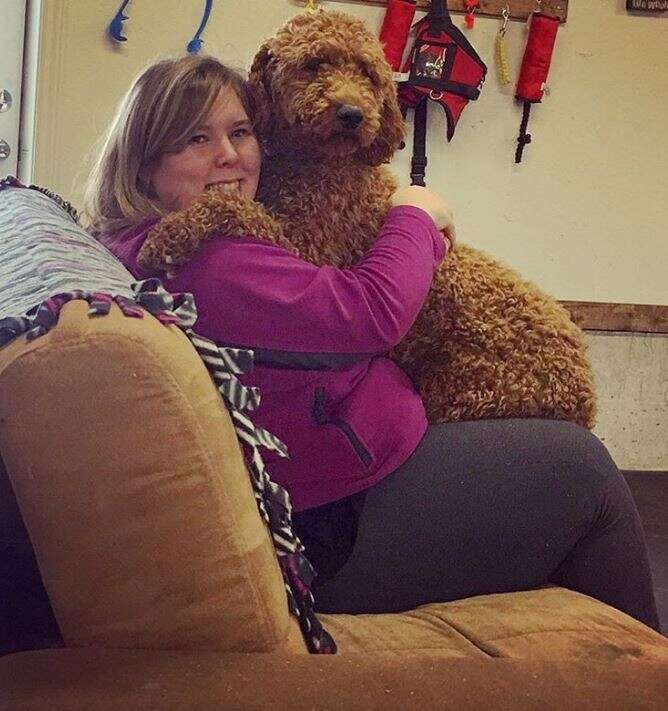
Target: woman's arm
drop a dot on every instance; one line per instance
(254, 294)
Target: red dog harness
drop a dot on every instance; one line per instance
(442, 66)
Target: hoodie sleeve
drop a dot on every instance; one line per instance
(254, 294)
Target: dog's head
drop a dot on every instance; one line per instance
(327, 90)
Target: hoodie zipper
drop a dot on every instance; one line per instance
(322, 419)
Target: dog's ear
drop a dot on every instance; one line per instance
(391, 134)
(260, 82)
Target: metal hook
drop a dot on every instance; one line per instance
(505, 13)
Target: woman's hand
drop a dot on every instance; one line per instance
(433, 204)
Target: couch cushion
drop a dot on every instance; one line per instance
(549, 623)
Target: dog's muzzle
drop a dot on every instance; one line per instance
(349, 116)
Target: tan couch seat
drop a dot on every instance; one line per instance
(548, 624)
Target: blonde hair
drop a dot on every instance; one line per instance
(164, 105)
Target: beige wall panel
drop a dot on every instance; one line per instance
(631, 375)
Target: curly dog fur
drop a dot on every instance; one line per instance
(487, 344)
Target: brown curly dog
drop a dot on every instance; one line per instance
(486, 344)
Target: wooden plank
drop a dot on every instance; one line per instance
(519, 9)
(634, 318)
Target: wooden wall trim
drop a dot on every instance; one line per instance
(519, 9)
(635, 318)
(50, 82)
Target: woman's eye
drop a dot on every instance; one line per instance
(241, 132)
(197, 138)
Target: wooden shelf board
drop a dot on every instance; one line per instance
(634, 318)
(519, 9)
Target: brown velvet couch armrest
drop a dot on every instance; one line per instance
(134, 491)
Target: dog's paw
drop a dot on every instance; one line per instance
(176, 238)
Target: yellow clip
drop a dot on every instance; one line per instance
(311, 6)
(501, 52)
(502, 59)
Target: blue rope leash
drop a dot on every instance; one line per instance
(195, 43)
(115, 28)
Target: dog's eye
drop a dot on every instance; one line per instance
(368, 74)
(314, 64)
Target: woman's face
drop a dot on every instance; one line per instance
(223, 151)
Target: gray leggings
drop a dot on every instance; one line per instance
(484, 507)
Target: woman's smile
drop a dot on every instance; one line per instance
(229, 186)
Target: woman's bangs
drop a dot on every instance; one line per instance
(196, 102)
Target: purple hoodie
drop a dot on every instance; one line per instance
(348, 415)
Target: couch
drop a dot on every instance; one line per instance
(135, 499)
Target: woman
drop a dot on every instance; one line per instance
(393, 513)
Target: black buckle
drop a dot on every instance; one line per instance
(418, 165)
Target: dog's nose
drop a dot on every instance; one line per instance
(350, 116)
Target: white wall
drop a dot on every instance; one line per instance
(584, 215)
(12, 22)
